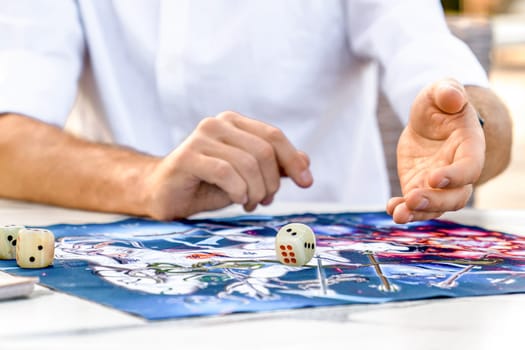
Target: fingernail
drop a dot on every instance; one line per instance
(250, 208)
(422, 204)
(410, 217)
(306, 176)
(245, 199)
(444, 183)
(267, 200)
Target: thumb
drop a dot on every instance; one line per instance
(449, 96)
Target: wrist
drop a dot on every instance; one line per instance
(135, 189)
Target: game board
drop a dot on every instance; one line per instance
(161, 270)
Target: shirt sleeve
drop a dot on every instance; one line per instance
(41, 53)
(411, 42)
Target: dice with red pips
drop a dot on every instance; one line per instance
(8, 238)
(295, 244)
(35, 248)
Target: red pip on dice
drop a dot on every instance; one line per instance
(31, 247)
(295, 244)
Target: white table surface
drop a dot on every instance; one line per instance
(52, 320)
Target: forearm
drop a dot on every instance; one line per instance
(497, 128)
(45, 164)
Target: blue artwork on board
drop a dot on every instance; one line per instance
(162, 270)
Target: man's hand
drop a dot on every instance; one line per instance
(227, 159)
(440, 154)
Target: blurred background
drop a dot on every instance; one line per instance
(506, 67)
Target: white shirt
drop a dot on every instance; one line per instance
(309, 67)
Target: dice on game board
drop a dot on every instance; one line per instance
(8, 239)
(295, 244)
(35, 248)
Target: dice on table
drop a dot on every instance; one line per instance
(8, 239)
(35, 248)
(295, 244)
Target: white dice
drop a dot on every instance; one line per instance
(35, 248)
(8, 239)
(295, 244)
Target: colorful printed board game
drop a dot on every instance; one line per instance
(161, 270)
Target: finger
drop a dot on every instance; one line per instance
(403, 215)
(247, 166)
(460, 173)
(266, 165)
(467, 163)
(432, 200)
(449, 96)
(288, 157)
(305, 157)
(436, 108)
(393, 203)
(268, 200)
(252, 156)
(221, 173)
